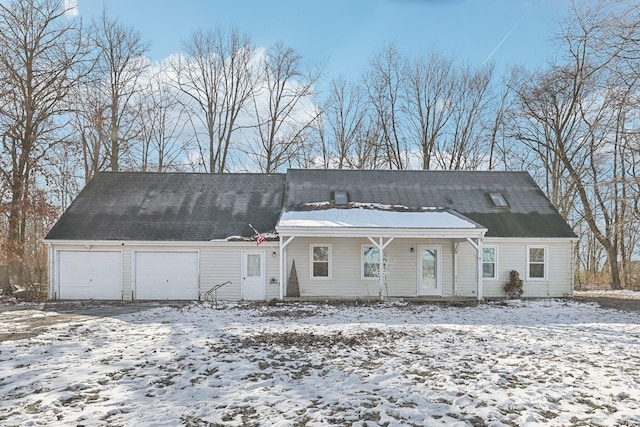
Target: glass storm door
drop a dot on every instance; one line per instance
(429, 271)
(253, 275)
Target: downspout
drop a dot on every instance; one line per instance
(51, 256)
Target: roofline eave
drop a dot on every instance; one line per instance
(424, 233)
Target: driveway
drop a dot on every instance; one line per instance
(26, 320)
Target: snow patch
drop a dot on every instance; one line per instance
(547, 362)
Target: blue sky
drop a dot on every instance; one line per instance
(345, 34)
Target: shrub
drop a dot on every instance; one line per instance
(513, 288)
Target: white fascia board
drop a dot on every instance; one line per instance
(432, 233)
(159, 243)
(532, 239)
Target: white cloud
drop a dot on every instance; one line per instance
(71, 8)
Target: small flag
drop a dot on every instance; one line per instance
(259, 237)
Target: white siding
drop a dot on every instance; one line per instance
(512, 255)
(219, 262)
(467, 285)
(346, 281)
(223, 262)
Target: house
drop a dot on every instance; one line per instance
(329, 234)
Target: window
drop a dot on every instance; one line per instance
(253, 265)
(320, 261)
(536, 262)
(340, 197)
(489, 262)
(370, 262)
(498, 200)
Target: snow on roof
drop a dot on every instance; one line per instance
(375, 218)
(351, 205)
(269, 236)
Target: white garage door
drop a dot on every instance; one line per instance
(90, 275)
(166, 275)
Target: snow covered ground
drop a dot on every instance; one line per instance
(523, 363)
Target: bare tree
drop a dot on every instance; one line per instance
(217, 77)
(461, 147)
(91, 128)
(501, 151)
(119, 67)
(345, 115)
(572, 119)
(41, 51)
(385, 81)
(162, 126)
(282, 108)
(431, 101)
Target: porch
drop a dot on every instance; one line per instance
(379, 254)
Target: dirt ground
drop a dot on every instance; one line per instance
(614, 301)
(25, 320)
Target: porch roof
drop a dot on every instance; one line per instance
(347, 222)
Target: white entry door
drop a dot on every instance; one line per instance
(254, 282)
(429, 270)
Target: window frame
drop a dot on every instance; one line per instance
(494, 262)
(544, 263)
(312, 246)
(498, 200)
(362, 262)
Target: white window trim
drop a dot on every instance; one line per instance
(362, 276)
(495, 262)
(545, 265)
(330, 251)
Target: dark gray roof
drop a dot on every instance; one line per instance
(172, 207)
(530, 213)
(202, 207)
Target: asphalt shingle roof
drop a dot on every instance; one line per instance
(172, 207)
(530, 213)
(201, 207)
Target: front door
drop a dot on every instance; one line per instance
(429, 270)
(253, 275)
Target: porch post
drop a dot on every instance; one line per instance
(381, 269)
(281, 250)
(478, 247)
(283, 264)
(381, 246)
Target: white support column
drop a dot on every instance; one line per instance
(381, 269)
(478, 247)
(283, 263)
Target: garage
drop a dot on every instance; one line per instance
(166, 275)
(90, 275)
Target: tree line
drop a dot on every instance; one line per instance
(79, 98)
